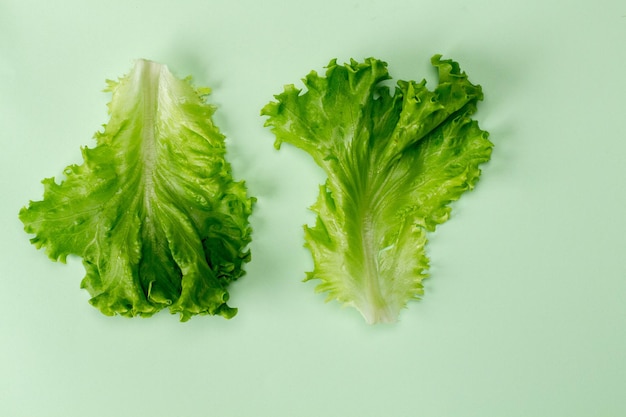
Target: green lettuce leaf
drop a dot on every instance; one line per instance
(394, 163)
(153, 211)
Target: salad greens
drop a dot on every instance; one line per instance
(153, 211)
(394, 163)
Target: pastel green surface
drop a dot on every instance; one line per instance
(524, 313)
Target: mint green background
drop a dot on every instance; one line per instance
(525, 313)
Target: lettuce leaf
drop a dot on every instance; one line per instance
(153, 211)
(394, 163)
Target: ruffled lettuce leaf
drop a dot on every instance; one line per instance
(153, 211)
(394, 163)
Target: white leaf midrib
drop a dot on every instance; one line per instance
(150, 76)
